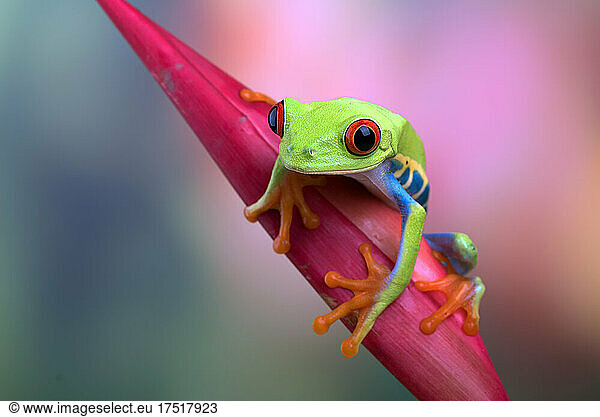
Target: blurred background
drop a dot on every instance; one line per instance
(127, 270)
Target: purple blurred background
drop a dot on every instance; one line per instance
(128, 270)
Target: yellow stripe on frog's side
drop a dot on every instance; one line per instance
(412, 177)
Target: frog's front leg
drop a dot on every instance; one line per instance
(381, 287)
(283, 193)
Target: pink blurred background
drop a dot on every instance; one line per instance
(189, 299)
(506, 98)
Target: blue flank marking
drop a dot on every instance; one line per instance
(416, 184)
(424, 197)
(395, 165)
(404, 177)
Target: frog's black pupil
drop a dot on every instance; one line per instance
(273, 119)
(364, 138)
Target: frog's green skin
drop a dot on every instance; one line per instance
(313, 143)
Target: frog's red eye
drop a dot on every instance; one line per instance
(276, 118)
(362, 137)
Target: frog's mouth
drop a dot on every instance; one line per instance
(327, 172)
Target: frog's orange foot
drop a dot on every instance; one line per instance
(283, 198)
(462, 292)
(365, 291)
(253, 96)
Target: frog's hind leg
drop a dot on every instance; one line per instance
(458, 254)
(365, 301)
(458, 247)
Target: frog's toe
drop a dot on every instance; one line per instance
(321, 324)
(471, 325)
(250, 214)
(350, 347)
(309, 219)
(461, 292)
(281, 244)
(255, 96)
(335, 280)
(365, 292)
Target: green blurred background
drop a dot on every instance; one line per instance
(127, 270)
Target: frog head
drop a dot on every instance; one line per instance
(340, 136)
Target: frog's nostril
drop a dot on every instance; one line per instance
(309, 151)
(290, 148)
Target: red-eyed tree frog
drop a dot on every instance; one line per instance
(382, 151)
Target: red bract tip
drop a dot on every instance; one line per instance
(447, 365)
